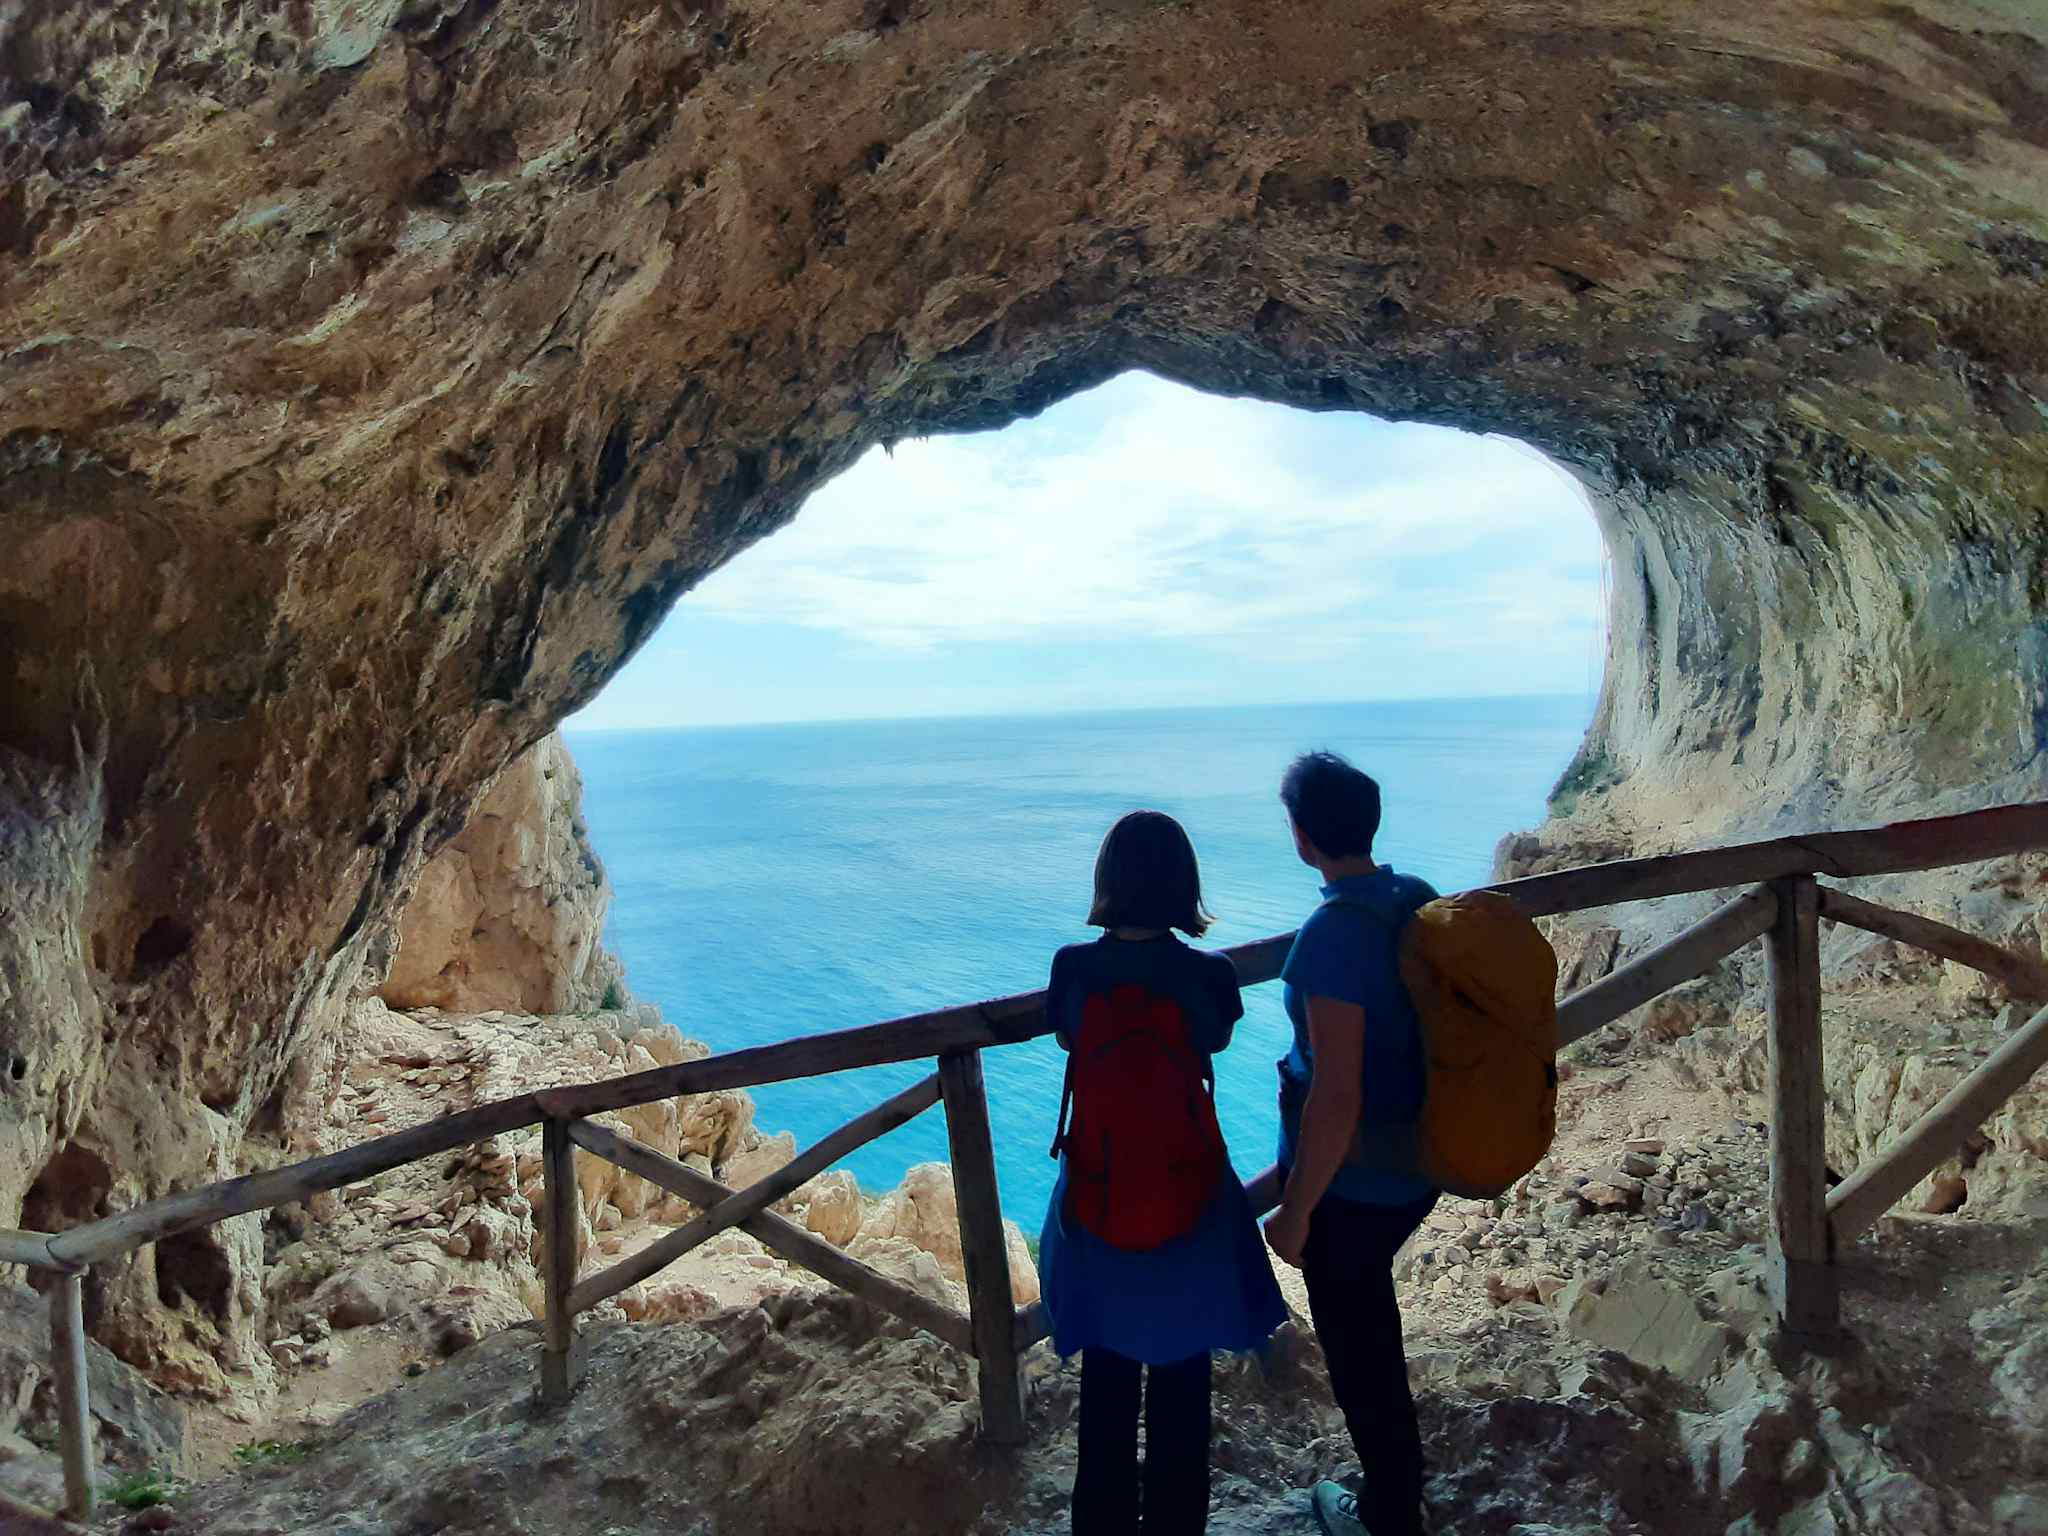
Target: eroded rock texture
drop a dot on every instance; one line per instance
(511, 913)
(373, 377)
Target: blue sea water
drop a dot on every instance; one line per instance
(773, 881)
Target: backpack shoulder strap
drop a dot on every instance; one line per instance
(1059, 1135)
(1395, 917)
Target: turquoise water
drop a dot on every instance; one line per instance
(778, 880)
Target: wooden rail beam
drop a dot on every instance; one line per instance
(730, 1212)
(2019, 974)
(125, 1231)
(971, 1026)
(558, 1362)
(840, 1050)
(1799, 1275)
(1692, 953)
(784, 1237)
(30, 1248)
(984, 1248)
(1889, 850)
(1886, 1179)
(74, 1415)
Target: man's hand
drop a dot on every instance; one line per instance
(1287, 1235)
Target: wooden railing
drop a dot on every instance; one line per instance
(1783, 905)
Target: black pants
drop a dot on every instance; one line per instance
(1348, 1263)
(1176, 1478)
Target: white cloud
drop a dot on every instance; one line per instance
(1144, 508)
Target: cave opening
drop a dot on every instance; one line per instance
(863, 768)
(340, 471)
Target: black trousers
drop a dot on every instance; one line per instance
(1175, 1482)
(1348, 1263)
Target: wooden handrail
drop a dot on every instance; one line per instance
(30, 1248)
(858, 1132)
(560, 1363)
(2019, 974)
(1692, 953)
(779, 1234)
(74, 1412)
(1895, 849)
(1797, 1274)
(984, 1247)
(915, 1037)
(125, 1231)
(1856, 1203)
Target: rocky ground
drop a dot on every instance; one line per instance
(1650, 1399)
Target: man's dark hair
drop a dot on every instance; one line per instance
(1336, 806)
(1146, 877)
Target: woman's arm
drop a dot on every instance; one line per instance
(1056, 1000)
(1329, 1120)
(1229, 998)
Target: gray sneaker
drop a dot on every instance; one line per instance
(1337, 1509)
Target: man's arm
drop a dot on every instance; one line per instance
(1329, 1119)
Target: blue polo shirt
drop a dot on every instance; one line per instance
(1349, 950)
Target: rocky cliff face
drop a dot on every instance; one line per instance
(510, 915)
(374, 377)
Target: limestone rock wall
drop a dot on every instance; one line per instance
(510, 914)
(135, 1428)
(373, 378)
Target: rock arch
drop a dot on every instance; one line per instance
(374, 377)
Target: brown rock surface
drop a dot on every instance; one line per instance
(1653, 1404)
(511, 913)
(135, 1428)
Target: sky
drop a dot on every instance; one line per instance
(1142, 544)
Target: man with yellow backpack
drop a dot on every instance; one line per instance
(1422, 1062)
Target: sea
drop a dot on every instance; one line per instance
(774, 881)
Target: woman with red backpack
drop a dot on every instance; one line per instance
(1150, 1257)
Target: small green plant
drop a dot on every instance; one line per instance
(142, 1490)
(614, 998)
(1590, 770)
(259, 1452)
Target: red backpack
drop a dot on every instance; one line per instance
(1138, 1122)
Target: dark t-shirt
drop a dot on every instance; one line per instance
(1203, 984)
(1349, 950)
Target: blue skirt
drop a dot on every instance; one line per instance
(1212, 1289)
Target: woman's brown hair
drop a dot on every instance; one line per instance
(1146, 877)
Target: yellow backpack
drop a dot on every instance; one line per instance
(1484, 983)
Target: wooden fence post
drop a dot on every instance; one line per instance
(558, 1362)
(74, 1418)
(1798, 1268)
(983, 1247)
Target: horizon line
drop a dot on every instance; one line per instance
(567, 727)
